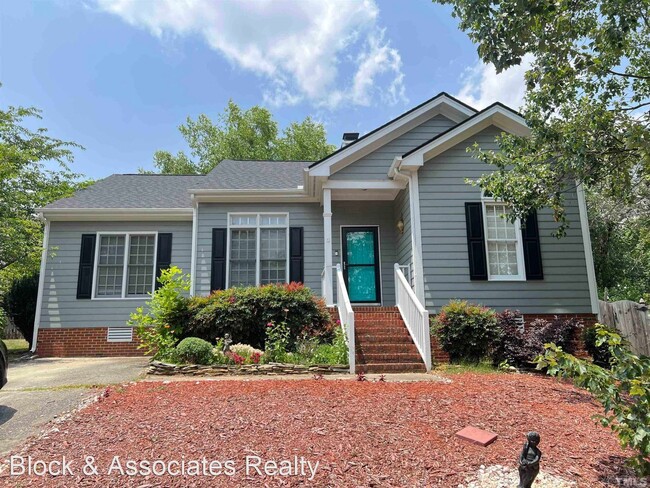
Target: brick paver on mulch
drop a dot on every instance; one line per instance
(360, 433)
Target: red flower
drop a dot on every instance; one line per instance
(256, 357)
(270, 324)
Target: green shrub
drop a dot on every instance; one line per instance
(335, 353)
(465, 330)
(193, 350)
(19, 303)
(244, 313)
(623, 390)
(161, 326)
(599, 353)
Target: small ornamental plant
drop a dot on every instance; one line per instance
(277, 341)
(157, 324)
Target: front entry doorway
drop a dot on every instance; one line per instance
(361, 264)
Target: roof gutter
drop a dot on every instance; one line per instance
(115, 213)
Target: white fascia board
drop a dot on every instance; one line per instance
(497, 116)
(441, 105)
(255, 196)
(107, 214)
(364, 195)
(364, 185)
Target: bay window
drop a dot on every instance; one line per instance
(258, 249)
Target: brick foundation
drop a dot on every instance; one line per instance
(438, 354)
(87, 341)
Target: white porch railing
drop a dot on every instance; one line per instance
(414, 315)
(346, 316)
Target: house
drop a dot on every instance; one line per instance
(386, 220)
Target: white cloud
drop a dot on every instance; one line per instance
(483, 86)
(299, 48)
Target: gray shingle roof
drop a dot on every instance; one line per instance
(172, 191)
(256, 175)
(134, 191)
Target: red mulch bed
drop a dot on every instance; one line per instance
(362, 433)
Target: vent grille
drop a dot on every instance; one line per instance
(519, 319)
(120, 334)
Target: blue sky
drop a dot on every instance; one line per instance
(119, 76)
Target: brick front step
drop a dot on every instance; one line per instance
(391, 368)
(401, 357)
(397, 322)
(379, 330)
(370, 338)
(386, 349)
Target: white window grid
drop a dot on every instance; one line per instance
(117, 269)
(270, 263)
(503, 242)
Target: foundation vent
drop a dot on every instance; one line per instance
(120, 334)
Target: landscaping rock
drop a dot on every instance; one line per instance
(498, 476)
(167, 369)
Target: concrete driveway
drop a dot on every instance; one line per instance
(41, 390)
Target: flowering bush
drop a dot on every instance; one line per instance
(465, 330)
(159, 328)
(245, 350)
(243, 313)
(277, 341)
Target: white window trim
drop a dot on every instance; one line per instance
(485, 201)
(258, 241)
(127, 244)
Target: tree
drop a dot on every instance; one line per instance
(623, 390)
(588, 91)
(33, 173)
(243, 134)
(620, 236)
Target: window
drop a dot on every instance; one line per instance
(119, 274)
(503, 242)
(258, 249)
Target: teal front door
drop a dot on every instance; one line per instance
(361, 264)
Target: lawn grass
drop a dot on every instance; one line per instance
(480, 368)
(16, 346)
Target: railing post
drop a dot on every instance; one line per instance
(327, 246)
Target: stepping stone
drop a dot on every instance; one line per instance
(477, 436)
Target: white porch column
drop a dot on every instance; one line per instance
(416, 236)
(327, 228)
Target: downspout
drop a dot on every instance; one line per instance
(195, 225)
(41, 285)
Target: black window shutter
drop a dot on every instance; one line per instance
(475, 241)
(296, 255)
(163, 255)
(532, 251)
(218, 269)
(86, 262)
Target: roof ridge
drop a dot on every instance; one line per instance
(460, 124)
(404, 114)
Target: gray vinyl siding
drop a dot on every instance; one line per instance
(369, 213)
(402, 210)
(306, 215)
(61, 308)
(375, 165)
(443, 193)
